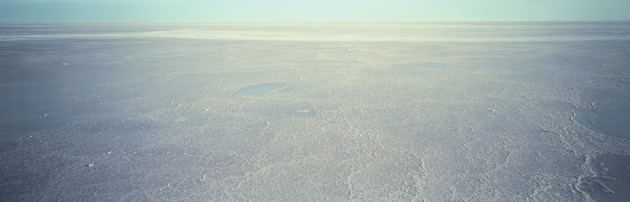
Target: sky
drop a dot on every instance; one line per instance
(311, 10)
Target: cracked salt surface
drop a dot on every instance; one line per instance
(358, 113)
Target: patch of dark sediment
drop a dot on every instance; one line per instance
(609, 113)
(610, 180)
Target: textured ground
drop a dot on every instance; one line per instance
(435, 112)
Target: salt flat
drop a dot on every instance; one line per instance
(315, 111)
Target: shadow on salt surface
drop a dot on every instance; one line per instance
(610, 114)
(611, 180)
(261, 89)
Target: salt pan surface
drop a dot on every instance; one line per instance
(315, 112)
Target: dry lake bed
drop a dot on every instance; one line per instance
(315, 112)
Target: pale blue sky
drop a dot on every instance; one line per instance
(313, 10)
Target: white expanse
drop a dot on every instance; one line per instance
(315, 112)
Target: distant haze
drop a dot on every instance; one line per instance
(302, 10)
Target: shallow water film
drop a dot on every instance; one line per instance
(315, 112)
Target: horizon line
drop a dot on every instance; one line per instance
(314, 21)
